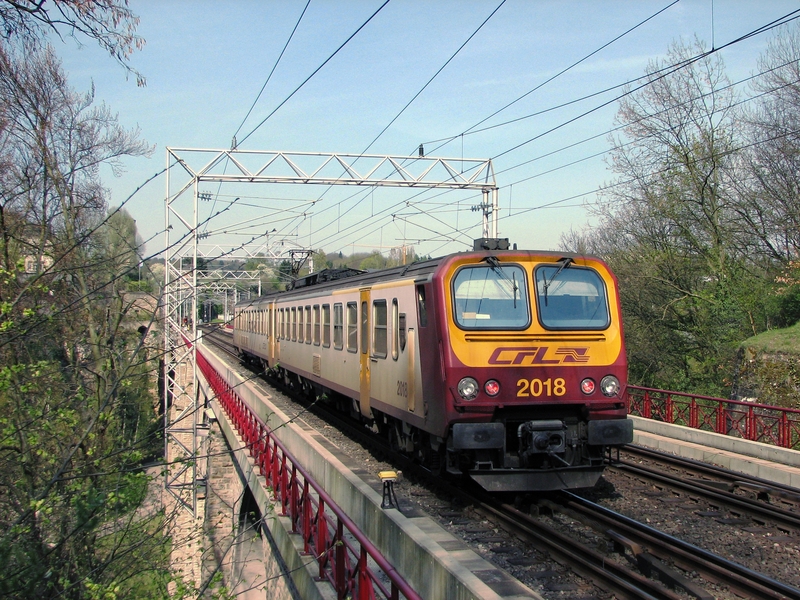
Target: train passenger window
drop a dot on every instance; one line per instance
(316, 325)
(338, 326)
(326, 325)
(380, 330)
(401, 331)
(491, 296)
(570, 297)
(308, 324)
(352, 327)
(294, 324)
(395, 329)
(423, 313)
(300, 328)
(364, 328)
(281, 328)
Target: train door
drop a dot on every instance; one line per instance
(364, 345)
(272, 330)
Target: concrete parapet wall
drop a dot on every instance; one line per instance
(772, 463)
(728, 443)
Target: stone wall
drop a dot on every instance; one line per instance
(768, 378)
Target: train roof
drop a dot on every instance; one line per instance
(332, 278)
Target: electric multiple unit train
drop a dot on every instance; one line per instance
(507, 366)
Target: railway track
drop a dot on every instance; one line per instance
(718, 487)
(643, 572)
(645, 543)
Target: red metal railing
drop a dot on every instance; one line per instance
(756, 422)
(342, 551)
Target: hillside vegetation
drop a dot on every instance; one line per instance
(701, 223)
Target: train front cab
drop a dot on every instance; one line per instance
(535, 370)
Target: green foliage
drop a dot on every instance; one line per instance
(77, 407)
(373, 262)
(694, 237)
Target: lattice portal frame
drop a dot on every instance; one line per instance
(187, 168)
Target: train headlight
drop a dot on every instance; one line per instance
(609, 386)
(491, 387)
(588, 386)
(468, 388)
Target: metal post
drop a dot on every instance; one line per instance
(485, 206)
(495, 210)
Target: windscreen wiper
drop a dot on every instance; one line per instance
(495, 266)
(565, 262)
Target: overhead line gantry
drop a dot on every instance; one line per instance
(187, 168)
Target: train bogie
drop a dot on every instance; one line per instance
(507, 366)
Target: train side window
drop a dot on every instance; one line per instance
(280, 324)
(300, 328)
(308, 324)
(326, 325)
(294, 324)
(401, 332)
(352, 327)
(423, 312)
(380, 329)
(315, 313)
(338, 326)
(395, 329)
(364, 328)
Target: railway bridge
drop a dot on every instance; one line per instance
(281, 512)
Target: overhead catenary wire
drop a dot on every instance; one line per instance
(314, 72)
(436, 74)
(775, 23)
(275, 66)
(565, 70)
(418, 93)
(667, 70)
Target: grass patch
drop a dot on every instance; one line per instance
(785, 340)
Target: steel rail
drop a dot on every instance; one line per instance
(752, 507)
(740, 579)
(734, 477)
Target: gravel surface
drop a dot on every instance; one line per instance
(761, 547)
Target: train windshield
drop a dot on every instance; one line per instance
(491, 297)
(570, 297)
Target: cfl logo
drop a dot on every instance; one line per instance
(538, 355)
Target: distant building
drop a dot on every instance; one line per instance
(37, 264)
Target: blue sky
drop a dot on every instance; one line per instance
(205, 63)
